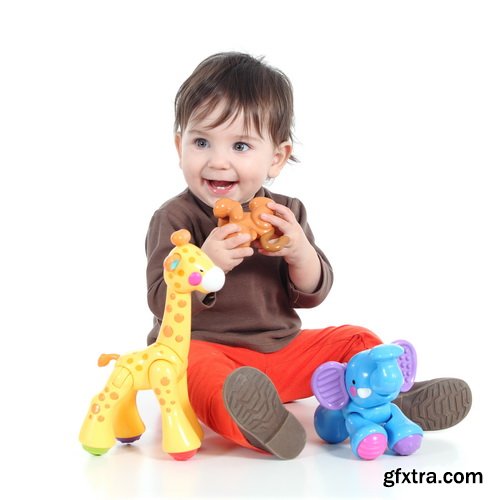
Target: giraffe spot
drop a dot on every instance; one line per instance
(168, 391)
(181, 272)
(157, 392)
(101, 397)
(179, 338)
(170, 275)
(138, 368)
(192, 260)
(172, 296)
(100, 418)
(164, 381)
(95, 409)
(182, 303)
(168, 308)
(114, 396)
(185, 250)
(130, 361)
(107, 407)
(177, 285)
(172, 402)
(145, 356)
(106, 389)
(90, 417)
(179, 318)
(161, 401)
(168, 410)
(167, 331)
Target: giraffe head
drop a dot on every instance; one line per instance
(187, 268)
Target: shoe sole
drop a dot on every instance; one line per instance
(437, 404)
(253, 402)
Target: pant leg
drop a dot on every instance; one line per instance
(292, 367)
(208, 366)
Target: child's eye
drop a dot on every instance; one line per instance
(201, 143)
(241, 146)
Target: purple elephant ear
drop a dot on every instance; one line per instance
(328, 385)
(407, 363)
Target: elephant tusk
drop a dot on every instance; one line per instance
(364, 392)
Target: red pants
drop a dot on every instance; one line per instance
(290, 369)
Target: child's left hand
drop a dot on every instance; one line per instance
(284, 222)
(303, 262)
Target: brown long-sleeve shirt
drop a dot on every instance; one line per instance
(256, 307)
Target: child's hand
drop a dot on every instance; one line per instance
(303, 262)
(284, 221)
(225, 252)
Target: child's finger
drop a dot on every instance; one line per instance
(278, 222)
(241, 253)
(236, 241)
(281, 211)
(223, 232)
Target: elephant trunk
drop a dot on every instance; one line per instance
(387, 379)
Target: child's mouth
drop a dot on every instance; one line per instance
(220, 188)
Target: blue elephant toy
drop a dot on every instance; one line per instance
(355, 401)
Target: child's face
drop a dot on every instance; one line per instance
(227, 161)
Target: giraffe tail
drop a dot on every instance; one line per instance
(104, 359)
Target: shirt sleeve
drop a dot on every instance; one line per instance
(298, 298)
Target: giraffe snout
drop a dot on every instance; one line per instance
(213, 280)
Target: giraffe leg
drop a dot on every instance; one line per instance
(127, 423)
(179, 438)
(97, 434)
(187, 408)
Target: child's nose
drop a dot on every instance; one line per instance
(218, 160)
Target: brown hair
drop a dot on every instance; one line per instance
(264, 94)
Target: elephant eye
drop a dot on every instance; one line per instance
(353, 382)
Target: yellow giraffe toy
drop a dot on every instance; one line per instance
(161, 367)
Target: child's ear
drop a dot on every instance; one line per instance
(281, 156)
(178, 143)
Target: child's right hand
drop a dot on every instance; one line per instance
(225, 252)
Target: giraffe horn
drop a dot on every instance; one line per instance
(104, 359)
(180, 237)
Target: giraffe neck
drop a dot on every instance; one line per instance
(175, 330)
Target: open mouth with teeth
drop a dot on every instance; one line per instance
(220, 188)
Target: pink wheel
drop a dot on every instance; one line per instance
(372, 446)
(186, 455)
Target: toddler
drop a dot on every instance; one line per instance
(249, 353)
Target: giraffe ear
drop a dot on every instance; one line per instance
(180, 237)
(172, 261)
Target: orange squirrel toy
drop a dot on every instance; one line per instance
(230, 211)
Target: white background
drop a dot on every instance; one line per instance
(397, 121)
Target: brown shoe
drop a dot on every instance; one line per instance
(436, 404)
(253, 402)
